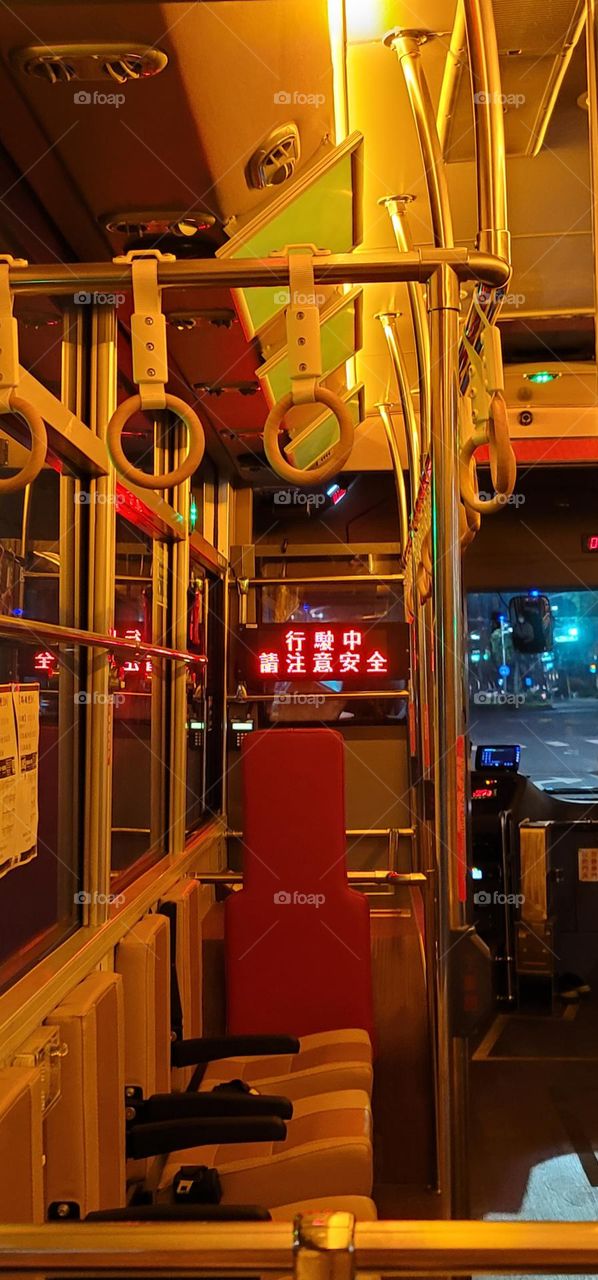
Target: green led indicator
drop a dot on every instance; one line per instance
(542, 375)
(193, 514)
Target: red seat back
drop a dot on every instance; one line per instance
(297, 937)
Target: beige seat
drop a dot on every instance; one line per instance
(327, 1150)
(85, 1161)
(21, 1145)
(327, 1061)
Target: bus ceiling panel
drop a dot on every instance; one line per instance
(181, 139)
(534, 58)
(551, 272)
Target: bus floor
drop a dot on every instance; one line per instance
(534, 1117)
(403, 1096)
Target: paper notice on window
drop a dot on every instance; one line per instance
(8, 782)
(26, 709)
(19, 765)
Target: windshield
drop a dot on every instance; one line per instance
(545, 701)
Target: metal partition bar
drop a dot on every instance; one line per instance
(413, 878)
(56, 279)
(351, 832)
(27, 631)
(345, 695)
(254, 1248)
(323, 580)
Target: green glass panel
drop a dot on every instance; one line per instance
(321, 215)
(338, 345)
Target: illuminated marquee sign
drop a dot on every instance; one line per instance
(355, 653)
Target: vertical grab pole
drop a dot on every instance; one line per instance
(407, 45)
(397, 212)
(100, 712)
(493, 235)
(449, 722)
(385, 412)
(592, 69)
(178, 674)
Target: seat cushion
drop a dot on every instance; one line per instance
(332, 1166)
(326, 1151)
(292, 1084)
(327, 1061)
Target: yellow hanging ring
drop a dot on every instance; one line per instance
(39, 445)
(168, 479)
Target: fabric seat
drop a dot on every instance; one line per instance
(326, 1061)
(327, 1150)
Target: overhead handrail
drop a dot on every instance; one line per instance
(150, 372)
(10, 400)
(58, 279)
(305, 359)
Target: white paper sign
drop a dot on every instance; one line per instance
(588, 864)
(19, 773)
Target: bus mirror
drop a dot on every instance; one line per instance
(531, 619)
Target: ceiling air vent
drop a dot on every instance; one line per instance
(58, 64)
(276, 158)
(149, 223)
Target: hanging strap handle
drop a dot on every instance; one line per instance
(10, 401)
(150, 372)
(305, 362)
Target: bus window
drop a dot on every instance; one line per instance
(39, 890)
(137, 812)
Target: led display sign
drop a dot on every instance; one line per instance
(351, 653)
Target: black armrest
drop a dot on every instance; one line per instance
(179, 1106)
(182, 1212)
(189, 1053)
(175, 1135)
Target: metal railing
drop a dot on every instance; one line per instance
(330, 1247)
(55, 279)
(28, 631)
